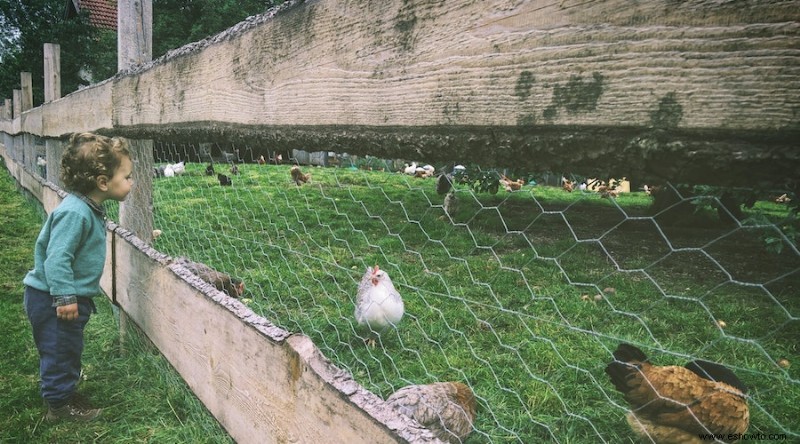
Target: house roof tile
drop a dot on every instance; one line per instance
(102, 13)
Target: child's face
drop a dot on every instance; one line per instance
(120, 185)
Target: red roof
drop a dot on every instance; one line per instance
(102, 13)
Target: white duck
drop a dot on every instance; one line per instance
(378, 304)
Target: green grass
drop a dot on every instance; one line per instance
(494, 296)
(144, 399)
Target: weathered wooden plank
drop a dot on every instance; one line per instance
(526, 84)
(17, 103)
(26, 96)
(52, 71)
(699, 91)
(32, 121)
(88, 109)
(134, 32)
(312, 66)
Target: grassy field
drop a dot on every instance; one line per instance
(143, 397)
(522, 295)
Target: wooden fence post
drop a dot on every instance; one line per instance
(135, 47)
(17, 101)
(53, 152)
(26, 81)
(134, 33)
(52, 72)
(52, 91)
(29, 152)
(134, 37)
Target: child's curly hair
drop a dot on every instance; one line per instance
(89, 156)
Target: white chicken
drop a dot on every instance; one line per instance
(179, 168)
(410, 169)
(378, 304)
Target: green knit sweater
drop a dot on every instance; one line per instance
(70, 251)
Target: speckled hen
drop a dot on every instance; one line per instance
(445, 408)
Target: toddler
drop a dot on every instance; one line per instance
(69, 256)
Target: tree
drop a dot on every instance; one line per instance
(28, 25)
(8, 36)
(178, 22)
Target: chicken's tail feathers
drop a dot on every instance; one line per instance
(466, 399)
(626, 360)
(629, 353)
(443, 184)
(618, 373)
(716, 372)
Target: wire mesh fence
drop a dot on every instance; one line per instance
(520, 291)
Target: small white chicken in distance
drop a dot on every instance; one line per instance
(378, 304)
(445, 408)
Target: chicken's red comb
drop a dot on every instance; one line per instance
(375, 270)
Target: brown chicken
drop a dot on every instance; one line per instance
(298, 177)
(233, 287)
(445, 408)
(567, 184)
(672, 404)
(607, 191)
(511, 185)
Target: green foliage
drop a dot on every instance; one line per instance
(779, 228)
(479, 180)
(32, 23)
(178, 22)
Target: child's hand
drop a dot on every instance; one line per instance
(67, 312)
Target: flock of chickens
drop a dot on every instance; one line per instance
(668, 404)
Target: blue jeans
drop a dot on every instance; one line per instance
(60, 344)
